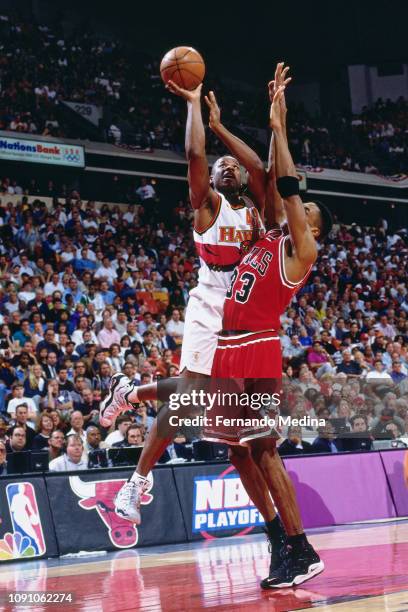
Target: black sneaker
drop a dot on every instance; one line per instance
(296, 568)
(278, 550)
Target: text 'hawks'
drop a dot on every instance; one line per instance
(229, 233)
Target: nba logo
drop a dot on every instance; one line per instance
(24, 514)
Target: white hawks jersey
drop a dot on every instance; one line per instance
(219, 245)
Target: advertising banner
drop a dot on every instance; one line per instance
(393, 461)
(26, 528)
(214, 502)
(41, 152)
(85, 518)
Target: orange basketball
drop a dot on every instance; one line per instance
(184, 66)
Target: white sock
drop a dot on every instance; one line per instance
(138, 479)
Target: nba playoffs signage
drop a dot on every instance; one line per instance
(220, 502)
(26, 530)
(41, 152)
(214, 502)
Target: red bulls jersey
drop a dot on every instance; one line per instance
(260, 291)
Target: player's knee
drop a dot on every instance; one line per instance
(263, 448)
(237, 455)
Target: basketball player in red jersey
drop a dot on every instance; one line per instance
(262, 287)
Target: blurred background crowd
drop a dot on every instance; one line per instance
(41, 66)
(87, 291)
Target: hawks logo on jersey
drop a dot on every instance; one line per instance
(232, 233)
(219, 245)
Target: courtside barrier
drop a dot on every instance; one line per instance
(55, 514)
(394, 468)
(84, 517)
(26, 525)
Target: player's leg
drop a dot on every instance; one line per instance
(201, 326)
(256, 486)
(127, 503)
(302, 562)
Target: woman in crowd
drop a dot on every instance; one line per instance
(45, 427)
(35, 385)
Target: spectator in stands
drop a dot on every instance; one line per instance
(72, 459)
(359, 439)
(45, 426)
(175, 327)
(18, 399)
(108, 335)
(133, 437)
(3, 429)
(87, 406)
(56, 444)
(294, 444)
(378, 374)
(97, 453)
(77, 426)
(348, 365)
(326, 441)
(397, 374)
(123, 422)
(3, 459)
(17, 440)
(20, 420)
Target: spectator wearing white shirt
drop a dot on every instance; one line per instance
(73, 459)
(77, 425)
(175, 327)
(106, 271)
(17, 399)
(123, 422)
(53, 285)
(145, 191)
(379, 374)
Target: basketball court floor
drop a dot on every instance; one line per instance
(366, 569)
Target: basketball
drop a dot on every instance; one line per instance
(184, 66)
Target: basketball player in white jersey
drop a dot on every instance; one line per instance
(223, 220)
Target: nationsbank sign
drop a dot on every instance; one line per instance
(220, 503)
(39, 152)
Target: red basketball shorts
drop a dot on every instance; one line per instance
(246, 371)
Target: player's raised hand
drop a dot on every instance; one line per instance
(215, 113)
(189, 95)
(281, 78)
(277, 117)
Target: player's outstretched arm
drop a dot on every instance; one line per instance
(304, 248)
(201, 194)
(244, 154)
(274, 209)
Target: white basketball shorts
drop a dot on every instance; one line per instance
(202, 324)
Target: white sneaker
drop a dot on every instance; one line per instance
(116, 401)
(128, 499)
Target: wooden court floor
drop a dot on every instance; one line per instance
(366, 569)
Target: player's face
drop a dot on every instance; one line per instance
(313, 217)
(226, 175)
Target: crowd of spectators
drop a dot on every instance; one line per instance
(88, 291)
(40, 66)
